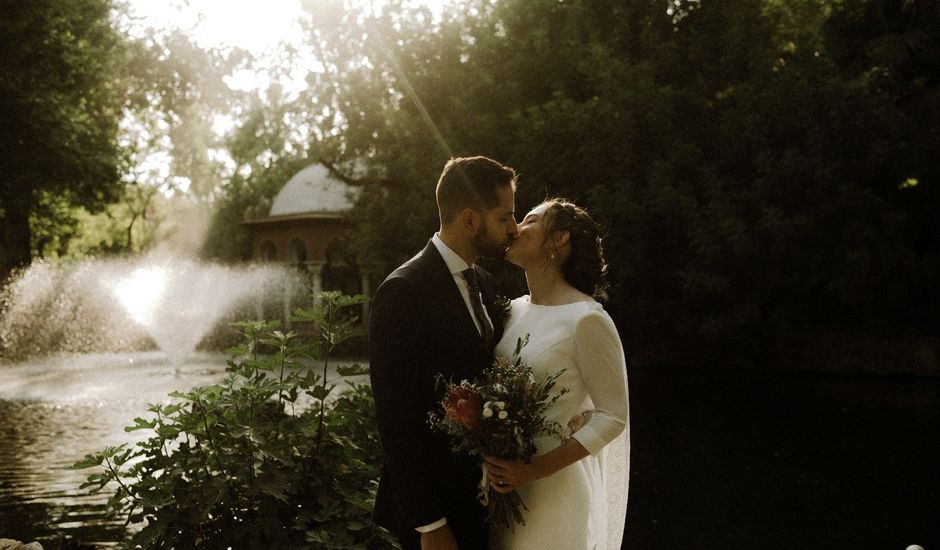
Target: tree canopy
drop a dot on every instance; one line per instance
(759, 165)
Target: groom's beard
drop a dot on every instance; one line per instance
(489, 247)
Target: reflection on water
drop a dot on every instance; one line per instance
(54, 412)
(779, 461)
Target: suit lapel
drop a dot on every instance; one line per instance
(441, 284)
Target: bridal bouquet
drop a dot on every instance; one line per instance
(500, 415)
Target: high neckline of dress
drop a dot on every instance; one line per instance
(528, 300)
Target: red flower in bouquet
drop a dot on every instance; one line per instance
(500, 414)
(463, 405)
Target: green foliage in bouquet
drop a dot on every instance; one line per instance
(269, 457)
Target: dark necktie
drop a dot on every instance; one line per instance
(476, 302)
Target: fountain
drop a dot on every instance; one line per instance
(131, 305)
(84, 347)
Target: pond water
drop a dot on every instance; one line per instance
(53, 413)
(741, 460)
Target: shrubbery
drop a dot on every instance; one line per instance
(275, 455)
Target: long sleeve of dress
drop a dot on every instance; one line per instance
(601, 361)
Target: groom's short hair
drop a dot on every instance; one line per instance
(471, 182)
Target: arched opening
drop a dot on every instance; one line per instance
(298, 251)
(341, 271)
(268, 252)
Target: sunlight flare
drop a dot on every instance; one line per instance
(140, 292)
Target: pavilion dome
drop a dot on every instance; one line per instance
(313, 190)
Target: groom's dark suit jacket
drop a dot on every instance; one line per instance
(420, 327)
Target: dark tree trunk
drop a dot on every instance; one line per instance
(14, 239)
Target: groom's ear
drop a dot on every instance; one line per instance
(469, 220)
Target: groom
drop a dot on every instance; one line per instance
(434, 316)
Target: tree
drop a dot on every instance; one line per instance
(61, 69)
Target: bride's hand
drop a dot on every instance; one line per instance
(578, 421)
(508, 475)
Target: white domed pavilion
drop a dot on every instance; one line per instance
(308, 227)
(313, 191)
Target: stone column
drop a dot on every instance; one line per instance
(288, 301)
(367, 292)
(316, 277)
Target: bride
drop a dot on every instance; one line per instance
(575, 490)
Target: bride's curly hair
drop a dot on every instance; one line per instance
(585, 267)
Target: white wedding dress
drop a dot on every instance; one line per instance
(582, 506)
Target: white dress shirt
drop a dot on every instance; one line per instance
(457, 265)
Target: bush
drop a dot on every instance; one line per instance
(269, 457)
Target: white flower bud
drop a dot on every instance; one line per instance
(503, 415)
(488, 404)
(488, 413)
(500, 405)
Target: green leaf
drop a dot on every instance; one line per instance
(88, 462)
(352, 370)
(141, 424)
(275, 490)
(320, 391)
(168, 432)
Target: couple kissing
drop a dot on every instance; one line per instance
(436, 316)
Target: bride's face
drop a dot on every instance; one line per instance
(528, 246)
